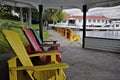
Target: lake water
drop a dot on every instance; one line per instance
(101, 34)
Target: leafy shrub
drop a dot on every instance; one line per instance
(6, 15)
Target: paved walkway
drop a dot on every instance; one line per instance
(86, 64)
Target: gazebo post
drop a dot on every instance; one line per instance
(30, 17)
(40, 21)
(84, 25)
(21, 15)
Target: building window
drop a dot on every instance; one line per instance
(71, 22)
(102, 21)
(94, 20)
(64, 21)
(98, 21)
(106, 21)
(80, 20)
(117, 25)
(89, 20)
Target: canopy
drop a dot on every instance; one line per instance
(84, 5)
(65, 4)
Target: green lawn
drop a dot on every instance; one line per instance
(15, 26)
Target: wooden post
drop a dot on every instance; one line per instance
(30, 17)
(84, 24)
(26, 16)
(21, 15)
(40, 21)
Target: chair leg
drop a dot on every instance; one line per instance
(12, 74)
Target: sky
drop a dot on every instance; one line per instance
(110, 12)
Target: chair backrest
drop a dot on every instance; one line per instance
(29, 34)
(18, 48)
(37, 36)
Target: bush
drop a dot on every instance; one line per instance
(6, 15)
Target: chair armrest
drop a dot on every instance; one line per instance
(49, 45)
(60, 51)
(54, 42)
(41, 68)
(46, 52)
(43, 54)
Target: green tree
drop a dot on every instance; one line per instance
(5, 12)
(61, 15)
(53, 15)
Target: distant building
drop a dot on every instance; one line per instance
(116, 24)
(91, 21)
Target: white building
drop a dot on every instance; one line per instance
(91, 21)
(116, 24)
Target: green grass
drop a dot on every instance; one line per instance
(45, 34)
(15, 26)
(4, 47)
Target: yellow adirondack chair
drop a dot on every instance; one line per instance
(21, 65)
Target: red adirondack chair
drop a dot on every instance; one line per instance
(35, 47)
(54, 45)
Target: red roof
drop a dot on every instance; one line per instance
(88, 17)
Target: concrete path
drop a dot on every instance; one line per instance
(86, 64)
